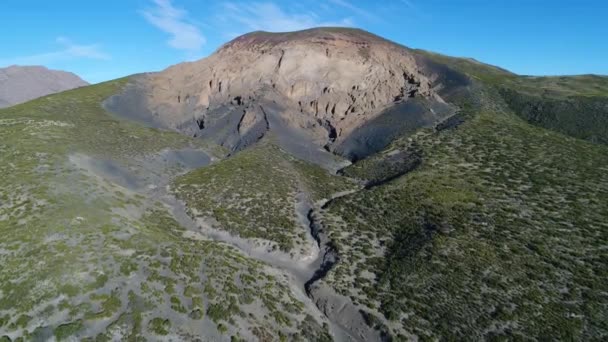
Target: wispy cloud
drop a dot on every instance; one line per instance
(174, 21)
(69, 51)
(413, 8)
(357, 10)
(268, 16)
(84, 51)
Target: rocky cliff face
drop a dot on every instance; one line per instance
(23, 83)
(331, 88)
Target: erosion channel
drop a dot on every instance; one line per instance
(152, 179)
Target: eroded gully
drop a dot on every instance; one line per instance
(302, 270)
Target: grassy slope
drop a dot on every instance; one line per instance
(86, 258)
(580, 116)
(501, 232)
(573, 105)
(253, 194)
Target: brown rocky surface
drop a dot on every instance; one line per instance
(20, 84)
(334, 87)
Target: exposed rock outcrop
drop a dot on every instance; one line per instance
(345, 90)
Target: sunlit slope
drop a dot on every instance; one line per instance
(572, 105)
(501, 231)
(91, 249)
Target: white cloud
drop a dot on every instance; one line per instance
(84, 51)
(69, 51)
(357, 10)
(267, 16)
(174, 21)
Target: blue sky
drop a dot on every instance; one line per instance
(102, 40)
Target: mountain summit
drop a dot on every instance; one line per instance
(19, 84)
(344, 90)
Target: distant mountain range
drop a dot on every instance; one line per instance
(20, 84)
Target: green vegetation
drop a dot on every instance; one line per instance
(572, 105)
(66, 330)
(498, 234)
(400, 158)
(495, 229)
(486, 73)
(561, 87)
(159, 326)
(583, 117)
(253, 194)
(81, 250)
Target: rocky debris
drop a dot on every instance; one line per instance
(341, 311)
(385, 168)
(329, 84)
(451, 122)
(401, 119)
(348, 321)
(20, 84)
(316, 92)
(338, 309)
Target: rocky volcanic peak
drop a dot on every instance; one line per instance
(23, 83)
(323, 84)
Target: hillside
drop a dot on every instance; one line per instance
(20, 84)
(345, 91)
(95, 246)
(573, 105)
(219, 200)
